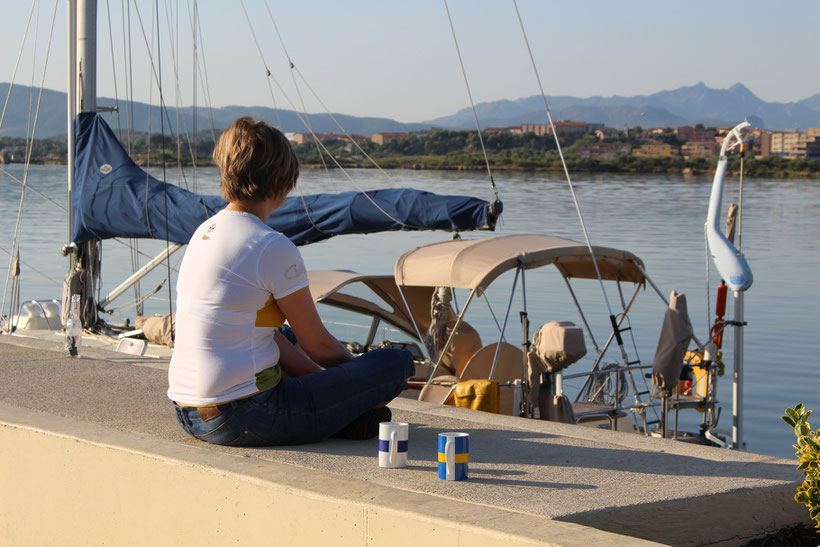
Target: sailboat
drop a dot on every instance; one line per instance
(528, 378)
(111, 196)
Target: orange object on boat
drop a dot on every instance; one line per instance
(720, 311)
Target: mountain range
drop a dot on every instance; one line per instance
(687, 105)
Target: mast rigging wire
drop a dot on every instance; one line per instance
(113, 68)
(35, 270)
(15, 248)
(306, 120)
(165, 187)
(174, 39)
(17, 64)
(29, 136)
(203, 72)
(154, 19)
(616, 330)
(295, 69)
(193, 90)
(163, 105)
(129, 78)
(561, 154)
(472, 104)
(178, 94)
(270, 77)
(346, 133)
(32, 189)
(307, 124)
(133, 245)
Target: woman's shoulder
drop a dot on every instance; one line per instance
(276, 242)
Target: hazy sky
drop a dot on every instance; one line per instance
(396, 59)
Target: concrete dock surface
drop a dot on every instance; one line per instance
(101, 428)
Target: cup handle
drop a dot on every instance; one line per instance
(394, 445)
(450, 457)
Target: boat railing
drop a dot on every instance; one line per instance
(613, 409)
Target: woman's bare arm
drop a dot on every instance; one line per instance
(293, 360)
(300, 311)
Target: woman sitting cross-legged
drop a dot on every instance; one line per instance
(235, 377)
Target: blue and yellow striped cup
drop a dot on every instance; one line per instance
(453, 455)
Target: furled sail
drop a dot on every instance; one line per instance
(113, 197)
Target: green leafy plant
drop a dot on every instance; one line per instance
(808, 455)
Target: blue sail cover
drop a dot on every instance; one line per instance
(113, 197)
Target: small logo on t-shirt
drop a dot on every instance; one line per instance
(295, 271)
(211, 228)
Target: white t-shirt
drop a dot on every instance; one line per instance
(234, 267)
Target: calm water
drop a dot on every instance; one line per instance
(657, 217)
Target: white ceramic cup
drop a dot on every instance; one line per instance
(393, 437)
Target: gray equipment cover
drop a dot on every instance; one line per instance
(558, 344)
(557, 408)
(676, 333)
(158, 329)
(555, 346)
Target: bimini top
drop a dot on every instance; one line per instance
(475, 263)
(331, 287)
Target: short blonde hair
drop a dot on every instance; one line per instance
(256, 161)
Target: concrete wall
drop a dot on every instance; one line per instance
(58, 488)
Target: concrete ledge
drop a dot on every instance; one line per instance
(74, 483)
(91, 451)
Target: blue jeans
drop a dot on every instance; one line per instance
(307, 409)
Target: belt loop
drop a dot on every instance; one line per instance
(183, 416)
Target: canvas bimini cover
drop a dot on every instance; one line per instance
(475, 263)
(331, 287)
(113, 197)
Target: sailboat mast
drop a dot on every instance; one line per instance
(82, 90)
(71, 16)
(82, 97)
(87, 54)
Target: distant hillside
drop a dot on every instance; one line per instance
(686, 105)
(52, 118)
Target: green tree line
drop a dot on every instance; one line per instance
(443, 149)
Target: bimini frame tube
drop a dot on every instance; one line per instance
(413, 320)
(581, 313)
(459, 318)
(518, 270)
